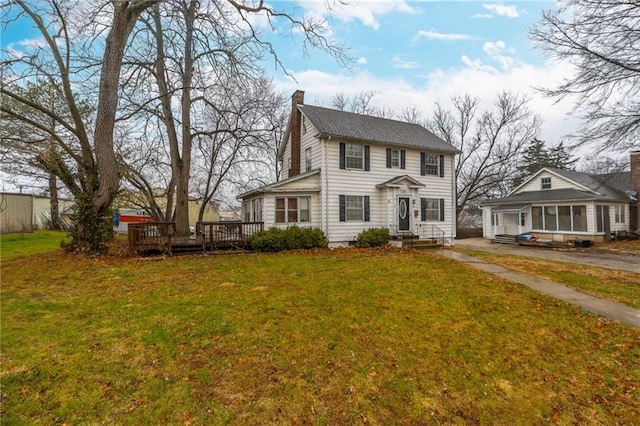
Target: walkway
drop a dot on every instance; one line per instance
(587, 257)
(617, 311)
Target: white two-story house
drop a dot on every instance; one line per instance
(345, 173)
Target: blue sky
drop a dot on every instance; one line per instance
(414, 53)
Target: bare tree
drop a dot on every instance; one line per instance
(82, 52)
(92, 176)
(235, 149)
(361, 103)
(412, 115)
(490, 143)
(187, 51)
(600, 38)
(599, 165)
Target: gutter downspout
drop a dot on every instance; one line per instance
(454, 197)
(325, 170)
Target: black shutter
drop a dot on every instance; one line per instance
(423, 209)
(388, 158)
(343, 209)
(367, 161)
(367, 211)
(423, 168)
(442, 166)
(342, 156)
(441, 209)
(403, 159)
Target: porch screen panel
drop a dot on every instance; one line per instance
(536, 218)
(579, 218)
(550, 214)
(305, 215)
(599, 219)
(564, 218)
(280, 210)
(292, 210)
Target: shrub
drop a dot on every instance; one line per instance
(373, 237)
(276, 239)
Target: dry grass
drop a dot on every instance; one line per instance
(618, 286)
(324, 337)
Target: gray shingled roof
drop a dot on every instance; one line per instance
(555, 195)
(620, 181)
(593, 182)
(331, 122)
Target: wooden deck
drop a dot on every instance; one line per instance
(159, 237)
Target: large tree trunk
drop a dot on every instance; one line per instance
(184, 170)
(53, 201)
(92, 221)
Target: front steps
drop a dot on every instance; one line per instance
(413, 241)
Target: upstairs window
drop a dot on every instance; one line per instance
(396, 158)
(545, 183)
(354, 156)
(431, 164)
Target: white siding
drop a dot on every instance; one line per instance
(557, 182)
(383, 202)
(487, 229)
(306, 187)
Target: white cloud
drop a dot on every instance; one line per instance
(496, 52)
(362, 61)
(477, 65)
(435, 35)
(483, 16)
(481, 81)
(398, 62)
(34, 43)
(502, 10)
(367, 12)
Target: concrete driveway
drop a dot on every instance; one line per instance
(582, 257)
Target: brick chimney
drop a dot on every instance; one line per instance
(296, 116)
(634, 163)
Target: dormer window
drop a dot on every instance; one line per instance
(545, 183)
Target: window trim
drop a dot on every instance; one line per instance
(347, 156)
(441, 210)
(439, 164)
(545, 183)
(366, 208)
(619, 213)
(572, 216)
(285, 211)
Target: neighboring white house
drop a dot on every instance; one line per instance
(345, 173)
(563, 205)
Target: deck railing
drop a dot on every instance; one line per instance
(146, 236)
(227, 233)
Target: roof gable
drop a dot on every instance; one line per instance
(399, 181)
(348, 125)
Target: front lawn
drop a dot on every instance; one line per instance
(325, 337)
(22, 244)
